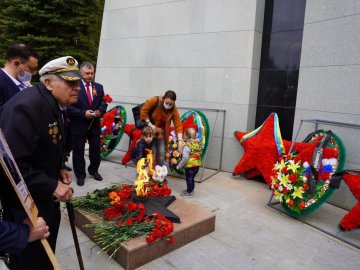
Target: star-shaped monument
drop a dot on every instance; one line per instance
(157, 204)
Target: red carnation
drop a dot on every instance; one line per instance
(157, 232)
(302, 204)
(285, 191)
(171, 240)
(305, 186)
(111, 213)
(129, 221)
(291, 203)
(151, 238)
(158, 223)
(330, 153)
(131, 206)
(107, 98)
(293, 178)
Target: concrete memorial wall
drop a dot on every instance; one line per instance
(208, 52)
(329, 78)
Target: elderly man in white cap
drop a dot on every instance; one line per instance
(36, 131)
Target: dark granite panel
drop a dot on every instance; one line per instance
(278, 88)
(281, 50)
(286, 119)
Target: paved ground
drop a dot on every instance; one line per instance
(248, 233)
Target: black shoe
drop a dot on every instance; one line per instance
(67, 168)
(80, 182)
(97, 176)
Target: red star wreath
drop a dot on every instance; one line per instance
(262, 151)
(352, 219)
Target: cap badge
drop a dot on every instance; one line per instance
(70, 61)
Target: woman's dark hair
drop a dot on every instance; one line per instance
(170, 94)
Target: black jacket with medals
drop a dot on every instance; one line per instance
(33, 126)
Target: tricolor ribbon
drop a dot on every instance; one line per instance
(277, 134)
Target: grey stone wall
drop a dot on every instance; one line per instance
(329, 77)
(208, 51)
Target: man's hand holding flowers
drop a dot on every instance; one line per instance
(90, 114)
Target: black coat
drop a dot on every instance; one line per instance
(139, 151)
(32, 124)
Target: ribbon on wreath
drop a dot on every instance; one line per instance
(277, 134)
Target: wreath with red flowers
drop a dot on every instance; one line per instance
(112, 128)
(291, 177)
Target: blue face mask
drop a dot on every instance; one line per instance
(25, 78)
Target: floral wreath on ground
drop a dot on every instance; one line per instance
(291, 179)
(125, 219)
(112, 128)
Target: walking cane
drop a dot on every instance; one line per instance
(70, 210)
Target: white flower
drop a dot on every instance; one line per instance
(160, 173)
(306, 165)
(291, 161)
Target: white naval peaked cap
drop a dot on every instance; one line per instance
(65, 67)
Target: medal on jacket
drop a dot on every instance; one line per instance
(94, 92)
(53, 131)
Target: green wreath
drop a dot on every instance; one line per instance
(112, 128)
(291, 180)
(201, 121)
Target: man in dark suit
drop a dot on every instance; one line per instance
(35, 129)
(21, 64)
(85, 124)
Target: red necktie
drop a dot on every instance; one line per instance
(88, 94)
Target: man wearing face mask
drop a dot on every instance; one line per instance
(21, 64)
(158, 112)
